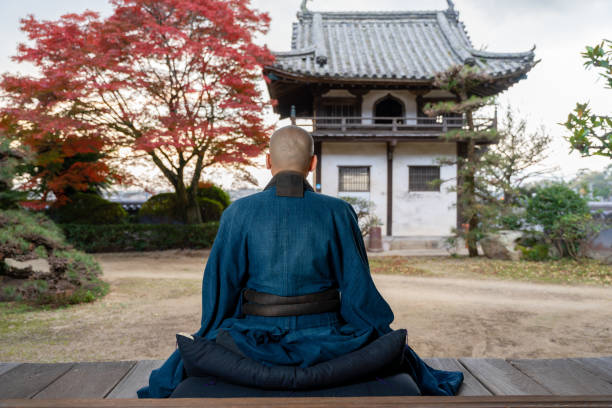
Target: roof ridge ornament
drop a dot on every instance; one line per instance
(318, 39)
(303, 8)
(332, 47)
(451, 12)
(456, 46)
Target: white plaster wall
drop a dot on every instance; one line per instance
(407, 98)
(426, 213)
(311, 179)
(334, 154)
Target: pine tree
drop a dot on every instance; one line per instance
(472, 139)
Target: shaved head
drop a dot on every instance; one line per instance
(291, 148)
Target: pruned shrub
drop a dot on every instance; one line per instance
(511, 221)
(162, 208)
(208, 190)
(571, 233)
(210, 209)
(22, 231)
(70, 276)
(552, 202)
(564, 218)
(88, 208)
(366, 216)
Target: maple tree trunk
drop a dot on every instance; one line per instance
(187, 205)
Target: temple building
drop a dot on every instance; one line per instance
(359, 82)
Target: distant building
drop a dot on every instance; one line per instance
(130, 200)
(601, 209)
(360, 80)
(236, 194)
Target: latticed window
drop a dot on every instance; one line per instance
(420, 178)
(354, 179)
(339, 110)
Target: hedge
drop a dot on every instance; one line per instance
(88, 208)
(139, 237)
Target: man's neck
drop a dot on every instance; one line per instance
(289, 184)
(275, 172)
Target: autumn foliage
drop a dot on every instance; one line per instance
(176, 79)
(67, 156)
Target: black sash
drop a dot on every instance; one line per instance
(267, 304)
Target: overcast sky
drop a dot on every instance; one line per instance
(560, 29)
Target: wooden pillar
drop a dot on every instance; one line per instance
(390, 148)
(317, 152)
(358, 92)
(317, 92)
(419, 110)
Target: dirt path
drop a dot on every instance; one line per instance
(490, 318)
(155, 295)
(447, 316)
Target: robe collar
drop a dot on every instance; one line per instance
(289, 183)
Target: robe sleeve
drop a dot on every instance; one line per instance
(361, 303)
(363, 306)
(222, 283)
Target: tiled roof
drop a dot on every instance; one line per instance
(412, 45)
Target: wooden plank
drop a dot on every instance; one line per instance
(602, 366)
(325, 402)
(137, 377)
(471, 386)
(563, 376)
(87, 380)
(501, 378)
(4, 367)
(27, 379)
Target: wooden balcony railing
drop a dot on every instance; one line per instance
(387, 123)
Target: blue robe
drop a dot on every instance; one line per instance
(290, 245)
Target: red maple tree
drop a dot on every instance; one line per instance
(62, 162)
(176, 79)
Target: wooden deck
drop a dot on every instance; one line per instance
(488, 382)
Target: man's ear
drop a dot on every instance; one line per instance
(313, 163)
(268, 161)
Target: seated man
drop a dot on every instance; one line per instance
(288, 241)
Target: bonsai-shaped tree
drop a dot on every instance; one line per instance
(462, 80)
